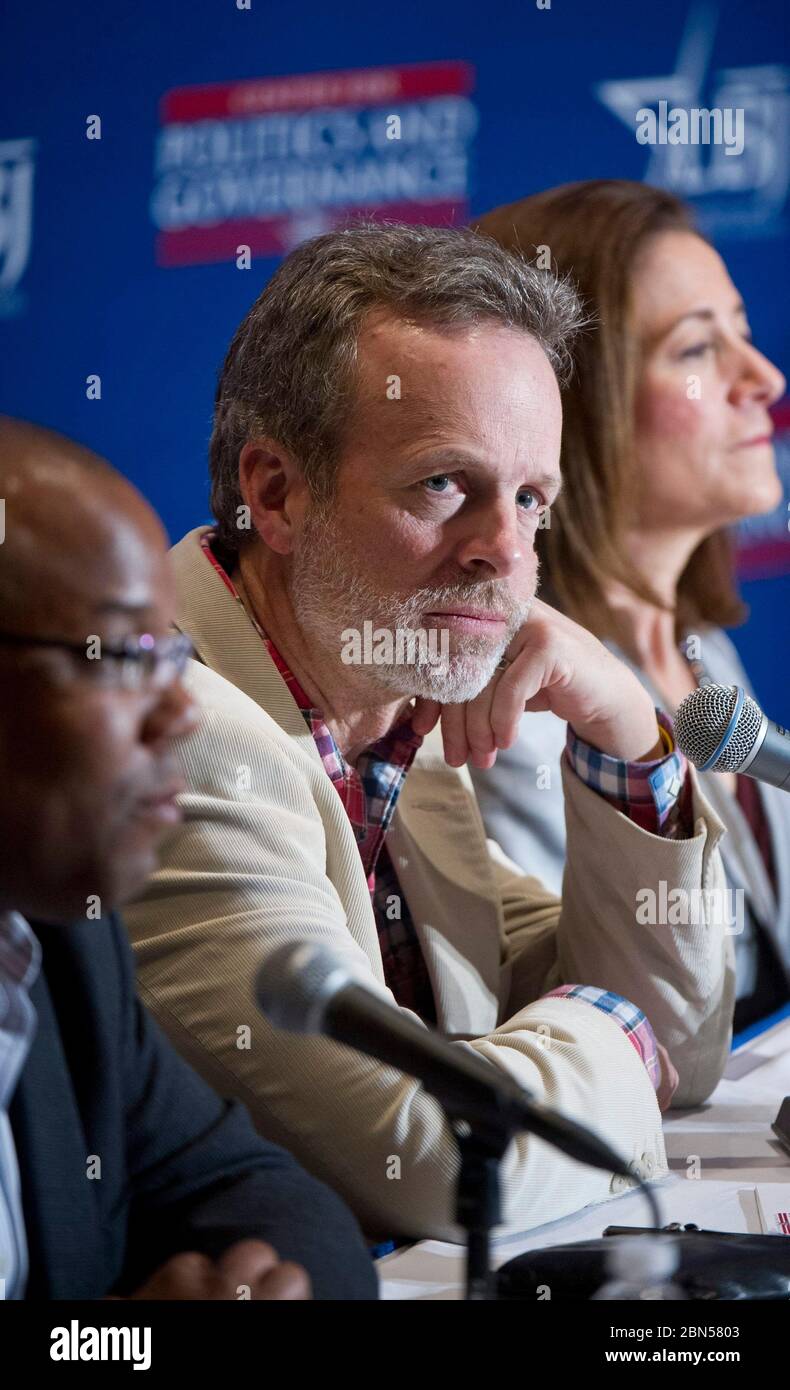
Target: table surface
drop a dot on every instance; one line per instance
(728, 1142)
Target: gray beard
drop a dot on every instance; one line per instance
(328, 597)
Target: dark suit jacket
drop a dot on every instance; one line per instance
(180, 1168)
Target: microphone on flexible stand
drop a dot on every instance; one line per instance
(308, 988)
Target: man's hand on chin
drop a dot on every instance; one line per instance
(553, 664)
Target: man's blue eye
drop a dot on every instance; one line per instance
(528, 492)
(438, 478)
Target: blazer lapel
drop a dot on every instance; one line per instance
(65, 1243)
(225, 639)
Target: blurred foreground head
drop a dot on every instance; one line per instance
(90, 690)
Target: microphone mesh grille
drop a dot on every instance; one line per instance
(701, 723)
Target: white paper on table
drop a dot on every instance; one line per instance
(773, 1206)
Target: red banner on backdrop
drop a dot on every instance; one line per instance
(263, 164)
(355, 87)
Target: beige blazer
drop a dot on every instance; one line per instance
(266, 853)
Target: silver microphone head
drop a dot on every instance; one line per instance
(296, 982)
(702, 720)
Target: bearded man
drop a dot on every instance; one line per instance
(386, 444)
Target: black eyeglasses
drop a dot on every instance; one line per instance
(141, 662)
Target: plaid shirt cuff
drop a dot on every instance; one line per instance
(630, 1018)
(655, 795)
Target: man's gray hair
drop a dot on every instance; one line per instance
(290, 371)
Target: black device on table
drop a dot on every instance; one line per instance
(713, 1264)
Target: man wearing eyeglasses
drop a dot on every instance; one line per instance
(121, 1172)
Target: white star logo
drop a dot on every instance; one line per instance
(669, 164)
(744, 192)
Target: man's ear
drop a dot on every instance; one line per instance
(273, 487)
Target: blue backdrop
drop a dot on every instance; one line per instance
(118, 253)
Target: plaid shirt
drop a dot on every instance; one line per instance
(369, 793)
(631, 1019)
(653, 794)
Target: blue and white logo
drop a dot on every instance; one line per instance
(741, 195)
(16, 220)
